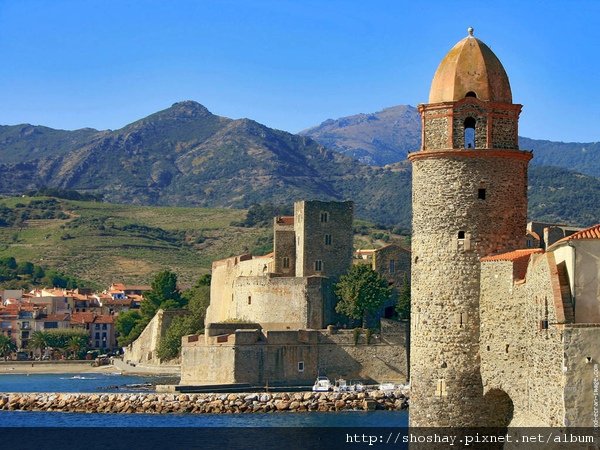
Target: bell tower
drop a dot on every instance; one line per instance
(469, 200)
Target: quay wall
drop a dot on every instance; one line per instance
(149, 403)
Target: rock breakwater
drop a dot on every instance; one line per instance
(204, 403)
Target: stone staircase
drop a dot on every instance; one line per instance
(565, 292)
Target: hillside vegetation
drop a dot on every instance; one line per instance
(102, 243)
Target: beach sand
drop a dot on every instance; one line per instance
(53, 367)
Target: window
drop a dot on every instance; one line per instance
(318, 265)
(97, 344)
(392, 266)
(48, 325)
(469, 132)
(324, 217)
(104, 327)
(528, 243)
(544, 324)
(97, 326)
(471, 94)
(249, 300)
(440, 390)
(97, 336)
(481, 194)
(327, 239)
(300, 366)
(461, 234)
(286, 262)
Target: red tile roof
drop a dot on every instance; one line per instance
(83, 317)
(90, 317)
(514, 255)
(285, 220)
(56, 318)
(588, 233)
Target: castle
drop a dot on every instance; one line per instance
(270, 317)
(500, 334)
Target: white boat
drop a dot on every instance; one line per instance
(387, 386)
(341, 385)
(322, 384)
(357, 387)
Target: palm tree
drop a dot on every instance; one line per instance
(7, 346)
(75, 344)
(38, 340)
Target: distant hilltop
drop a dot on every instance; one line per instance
(187, 156)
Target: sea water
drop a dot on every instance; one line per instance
(105, 382)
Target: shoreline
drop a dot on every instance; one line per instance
(76, 367)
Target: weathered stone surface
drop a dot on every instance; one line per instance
(196, 404)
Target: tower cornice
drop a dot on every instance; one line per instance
(475, 153)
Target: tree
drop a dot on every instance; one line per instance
(198, 299)
(361, 291)
(38, 340)
(125, 324)
(403, 305)
(77, 343)
(7, 346)
(38, 273)
(25, 268)
(164, 288)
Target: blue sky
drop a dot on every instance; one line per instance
(288, 64)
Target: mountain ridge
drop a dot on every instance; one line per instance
(186, 156)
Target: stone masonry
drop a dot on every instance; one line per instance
(467, 203)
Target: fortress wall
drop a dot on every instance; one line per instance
(518, 357)
(275, 359)
(295, 302)
(143, 349)
(224, 273)
(582, 363)
(207, 364)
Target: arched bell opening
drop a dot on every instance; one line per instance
(469, 132)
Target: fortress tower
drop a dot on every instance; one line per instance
(469, 200)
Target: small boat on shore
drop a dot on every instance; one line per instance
(322, 384)
(341, 385)
(357, 386)
(387, 386)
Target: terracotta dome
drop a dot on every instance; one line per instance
(470, 69)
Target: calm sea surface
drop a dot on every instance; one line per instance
(88, 382)
(123, 383)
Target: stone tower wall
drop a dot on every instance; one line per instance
(445, 378)
(284, 246)
(311, 243)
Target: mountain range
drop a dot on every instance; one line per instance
(187, 156)
(386, 137)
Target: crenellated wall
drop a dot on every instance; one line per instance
(251, 356)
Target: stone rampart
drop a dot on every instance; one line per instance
(246, 356)
(143, 349)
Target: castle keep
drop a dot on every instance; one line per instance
(469, 200)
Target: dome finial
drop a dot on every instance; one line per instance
(470, 30)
